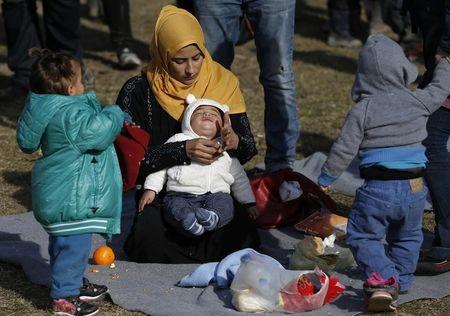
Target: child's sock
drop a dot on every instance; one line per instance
(208, 219)
(191, 225)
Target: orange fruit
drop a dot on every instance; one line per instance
(103, 255)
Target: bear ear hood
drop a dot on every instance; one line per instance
(192, 104)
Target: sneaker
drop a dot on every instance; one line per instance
(128, 59)
(92, 292)
(432, 266)
(381, 301)
(208, 219)
(73, 306)
(335, 40)
(381, 294)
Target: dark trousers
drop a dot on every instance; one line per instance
(429, 17)
(61, 26)
(179, 204)
(341, 14)
(153, 240)
(117, 15)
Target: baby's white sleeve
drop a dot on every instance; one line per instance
(241, 188)
(155, 181)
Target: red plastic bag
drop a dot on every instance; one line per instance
(274, 212)
(131, 146)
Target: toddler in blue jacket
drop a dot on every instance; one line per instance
(76, 184)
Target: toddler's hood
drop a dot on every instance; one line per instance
(38, 112)
(193, 104)
(382, 67)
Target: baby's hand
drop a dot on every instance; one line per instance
(253, 212)
(146, 198)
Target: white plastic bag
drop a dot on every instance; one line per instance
(261, 285)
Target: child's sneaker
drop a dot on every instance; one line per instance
(73, 306)
(381, 294)
(207, 219)
(92, 292)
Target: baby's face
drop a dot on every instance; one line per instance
(205, 121)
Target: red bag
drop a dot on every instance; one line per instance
(131, 146)
(274, 212)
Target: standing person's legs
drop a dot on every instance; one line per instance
(367, 227)
(339, 16)
(62, 26)
(62, 30)
(220, 21)
(22, 33)
(404, 235)
(68, 259)
(117, 14)
(437, 175)
(273, 24)
(429, 16)
(374, 209)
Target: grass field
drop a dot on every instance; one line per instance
(324, 77)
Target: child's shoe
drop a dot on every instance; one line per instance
(381, 294)
(207, 219)
(73, 306)
(92, 292)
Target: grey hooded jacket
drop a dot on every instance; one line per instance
(387, 115)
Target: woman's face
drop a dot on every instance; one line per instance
(185, 65)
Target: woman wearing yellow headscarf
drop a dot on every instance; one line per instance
(181, 65)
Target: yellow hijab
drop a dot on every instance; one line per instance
(175, 29)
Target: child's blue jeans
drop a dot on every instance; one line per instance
(390, 210)
(68, 259)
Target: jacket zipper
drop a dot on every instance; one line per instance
(94, 162)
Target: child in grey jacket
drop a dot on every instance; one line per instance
(385, 128)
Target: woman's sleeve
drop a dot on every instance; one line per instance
(133, 99)
(164, 156)
(246, 148)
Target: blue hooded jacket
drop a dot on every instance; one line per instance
(76, 184)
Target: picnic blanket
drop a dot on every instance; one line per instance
(150, 288)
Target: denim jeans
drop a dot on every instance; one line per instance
(68, 260)
(273, 26)
(390, 210)
(437, 175)
(178, 204)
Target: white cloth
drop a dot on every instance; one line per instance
(290, 190)
(198, 178)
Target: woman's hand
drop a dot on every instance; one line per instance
(230, 140)
(147, 198)
(203, 150)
